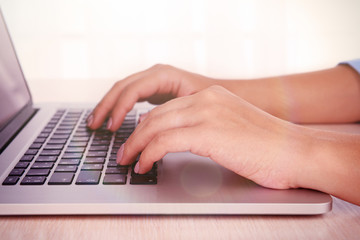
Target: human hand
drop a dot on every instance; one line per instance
(157, 84)
(222, 126)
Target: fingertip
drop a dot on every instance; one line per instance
(120, 153)
(137, 168)
(95, 119)
(115, 120)
(142, 117)
(109, 124)
(90, 120)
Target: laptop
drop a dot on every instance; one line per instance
(51, 164)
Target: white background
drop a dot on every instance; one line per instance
(74, 50)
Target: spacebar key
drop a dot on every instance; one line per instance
(33, 180)
(88, 177)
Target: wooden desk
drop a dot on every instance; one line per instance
(343, 222)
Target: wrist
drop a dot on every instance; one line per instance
(331, 164)
(257, 92)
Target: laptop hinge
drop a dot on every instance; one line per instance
(9, 132)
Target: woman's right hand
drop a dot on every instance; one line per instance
(157, 85)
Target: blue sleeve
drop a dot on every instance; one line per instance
(355, 64)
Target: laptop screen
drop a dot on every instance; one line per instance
(14, 94)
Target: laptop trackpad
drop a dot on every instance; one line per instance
(198, 178)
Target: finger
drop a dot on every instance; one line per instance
(133, 92)
(173, 140)
(149, 129)
(142, 117)
(173, 104)
(105, 106)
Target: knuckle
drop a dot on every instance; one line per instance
(160, 66)
(102, 107)
(117, 84)
(160, 139)
(150, 125)
(216, 87)
(209, 94)
(150, 115)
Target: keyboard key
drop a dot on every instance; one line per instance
(47, 129)
(39, 140)
(80, 139)
(31, 152)
(61, 178)
(66, 168)
(88, 177)
(50, 125)
(114, 150)
(78, 144)
(114, 179)
(65, 127)
(50, 153)
(151, 173)
(42, 165)
(99, 148)
(57, 141)
(68, 123)
(82, 134)
(101, 142)
(143, 180)
(72, 155)
(35, 146)
(69, 119)
(121, 140)
(75, 150)
(56, 136)
(43, 135)
(11, 180)
(63, 132)
(117, 145)
(54, 147)
(38, 172)
(93, 160)
(92, 167)
(116, 170)
(16, 172)
(22, 165)
(69, 162)
(46, 158)
(97, 154)
(27, 158)
(33, 180)
(112, 164)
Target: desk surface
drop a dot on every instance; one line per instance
(343, 222)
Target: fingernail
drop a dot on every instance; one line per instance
(90, 120)
(142, 117)
(109, 123)
(120, 154)
(137, 167)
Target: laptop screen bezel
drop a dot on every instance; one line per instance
(17, 121)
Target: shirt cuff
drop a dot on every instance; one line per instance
(355, 64)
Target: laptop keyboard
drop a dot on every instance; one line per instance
(66, 152)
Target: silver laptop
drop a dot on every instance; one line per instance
(51, 164)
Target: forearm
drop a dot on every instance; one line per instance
(327, 96)
(331, 165)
